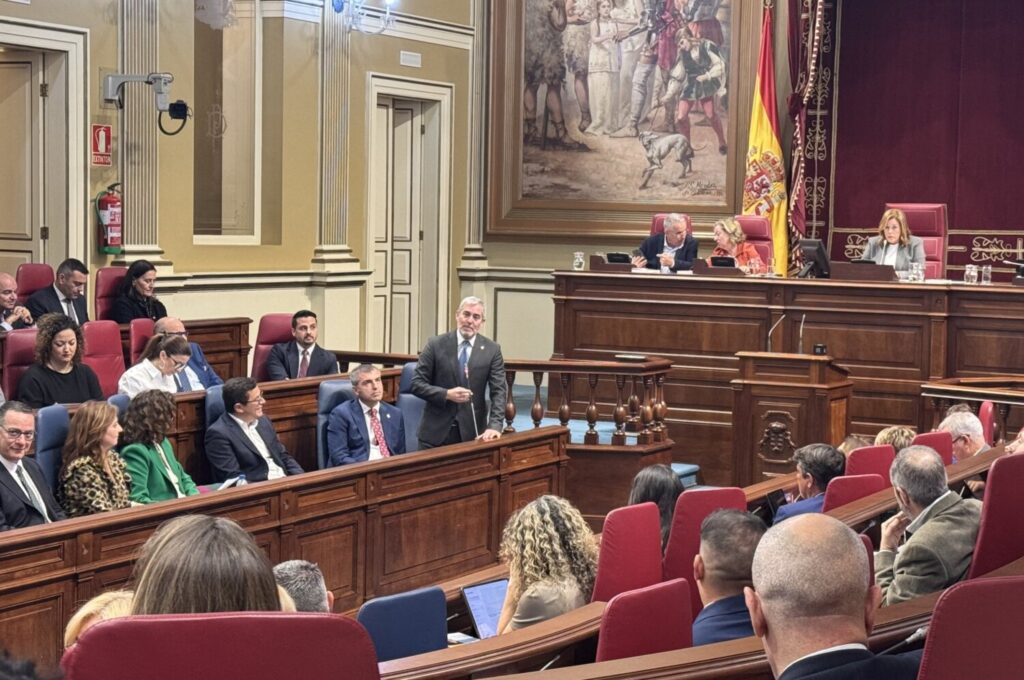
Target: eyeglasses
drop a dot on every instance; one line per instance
(257, 400)
(29, 435)
(183, 334)
(178, 364)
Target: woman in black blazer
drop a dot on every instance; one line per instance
(137, 299)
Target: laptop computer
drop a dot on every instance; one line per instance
(484, 601)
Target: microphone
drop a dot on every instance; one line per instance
(915, 637)
(472, 407)
(800, 345)
(768, 342)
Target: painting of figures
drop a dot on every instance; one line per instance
(626, 100)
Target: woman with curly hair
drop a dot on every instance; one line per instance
(58, 376)
(155, 473)
(552, 560)
(93, 477)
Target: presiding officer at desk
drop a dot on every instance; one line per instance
(894, 245)
(675, 249)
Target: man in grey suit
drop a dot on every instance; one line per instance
(942, 527)
(453, 371)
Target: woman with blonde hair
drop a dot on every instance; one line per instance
(899, 436)
(198, 564)
(93, 478)
(109, 605)
(894, 244)
(730, 241)
(552, 559)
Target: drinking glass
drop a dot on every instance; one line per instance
(986, 275)
(771, 267)
(918, 270)
(577, 261)
(971, 274)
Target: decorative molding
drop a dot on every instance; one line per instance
(309, 11)
(535, 275)
(223, 281)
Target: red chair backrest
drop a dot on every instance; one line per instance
(108, 283)
(274, 328)
(658, 223)
(928, 222)
(759, 232)
(30, 277)
(103, 353)
(970, 617)
(684, 538)
(848, 488)
(871, 557)
(646, 621)
(19, 354)
(987, 416)
(139, 333)
(942, 442)
(207, 647)
(1001, 531)
(630, 553)
(871, 460)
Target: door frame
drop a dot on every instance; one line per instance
(71, 41)
(378, 84)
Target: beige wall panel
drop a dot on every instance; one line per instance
(525, 325)
(449, 11)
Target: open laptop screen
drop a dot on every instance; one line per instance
(484, 601)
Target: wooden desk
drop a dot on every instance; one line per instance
(374, 528)
(891, 337)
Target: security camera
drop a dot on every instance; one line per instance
(161, 82)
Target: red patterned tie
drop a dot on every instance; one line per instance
(378, 433)
(304, 364)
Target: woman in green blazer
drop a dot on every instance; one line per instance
(156, 473)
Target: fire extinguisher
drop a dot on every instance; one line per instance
(108, 218)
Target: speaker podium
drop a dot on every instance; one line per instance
(780, 403)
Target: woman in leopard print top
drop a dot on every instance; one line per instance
(94, 478)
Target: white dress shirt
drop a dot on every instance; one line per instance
(146, 376)
(889, 253)
(274, 471)
(63, 299)
(175, 482)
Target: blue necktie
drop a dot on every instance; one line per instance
(183, 384)
(463, 360)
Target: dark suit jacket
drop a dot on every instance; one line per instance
(16, 511)
(348, 440)
(654, 245)
(198, 363)
(231, 453)
(438, 371)
(855, 664)
(804, 505)
(128, 307)
(45, 301)
(725, 619)
(283, 361)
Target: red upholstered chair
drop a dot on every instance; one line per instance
(968, 618)
(274, 328)
(108, 282)
(684, 538)
(940, 441)
(103, 353)
(630, 554)
(1001, 532)
(849, 488)
(139, 333)
(30, 277)
(987, 416)
(18, 356)
(871, 460)
(759, 232)
(928, 221)
(646, 621)
(871, 557)
(225, 646)
(658, 223)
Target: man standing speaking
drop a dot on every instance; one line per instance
(453, 370)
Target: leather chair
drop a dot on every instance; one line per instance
(411, 406)
(19, 354)
(274, 328)
(987, 416)
(51, 431)
(139, 333)
(103, 353)
(108, 284)
(658, 223)
(871, 460)
(30, 277)
(120, 402)
(971, 631)
(407, 623)
(213, 406)
(223, 646)
(848, 488)
(1001, 530)
(759, 232)
(929, 222)
(630, 554)
(684, 538)
(942, 442)
(332, 393)
(646, 621)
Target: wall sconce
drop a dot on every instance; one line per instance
(355, 11)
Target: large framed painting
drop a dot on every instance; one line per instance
(604, 111)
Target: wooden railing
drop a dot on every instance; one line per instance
(1006, 392)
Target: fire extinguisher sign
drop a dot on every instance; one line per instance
(101, 144)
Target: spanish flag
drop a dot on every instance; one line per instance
(764, 187)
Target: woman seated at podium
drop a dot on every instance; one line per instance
(58, 376)
(156, 474)
(137, 297)
(730, 241)
(552, 559)
(894, 245)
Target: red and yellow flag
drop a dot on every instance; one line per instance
(764, 187)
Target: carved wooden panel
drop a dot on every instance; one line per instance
(33, 621)
(336, 545)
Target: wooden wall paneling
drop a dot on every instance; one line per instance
(33, 620)
(338, 545)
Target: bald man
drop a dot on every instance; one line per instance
(200, 367)
(12, 315)
(812, 607)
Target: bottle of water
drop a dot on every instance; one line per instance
(241, 480)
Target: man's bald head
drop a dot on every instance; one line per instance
(169, 325)
(8, 291)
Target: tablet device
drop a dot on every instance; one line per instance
(723, 261)
(484, 601)
(776, 499)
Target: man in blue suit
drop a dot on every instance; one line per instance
(169, 325)
(674, 250)
(816, 465)
(364, 428)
